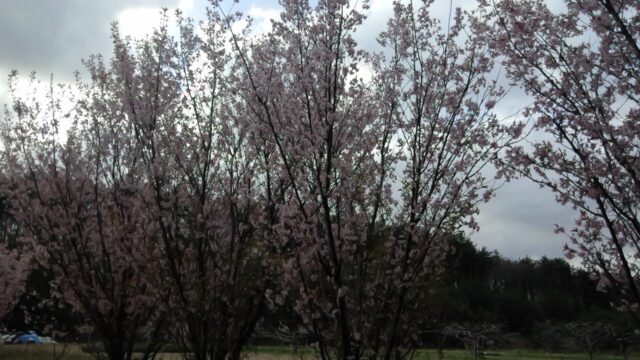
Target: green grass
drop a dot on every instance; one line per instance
(278, 350)
(461, 354)
(41, 352)
(518, 355)
(45, 352)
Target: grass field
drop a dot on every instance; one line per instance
(73, 352)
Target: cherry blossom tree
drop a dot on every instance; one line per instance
(14, 261)
(191, 170)
(588, 334)
(76, 196)
(13, 270)
(146, 209)
(475, 337)
(581, 66)
(358, 258)
(446, 129)
(200, 194)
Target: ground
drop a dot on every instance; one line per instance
(73, 352)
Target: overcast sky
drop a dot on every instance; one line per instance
(52, 36)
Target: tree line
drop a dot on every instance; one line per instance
(209, 175)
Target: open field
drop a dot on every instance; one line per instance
(73, 352)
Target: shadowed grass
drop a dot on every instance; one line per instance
(74, 352)
(518, 354)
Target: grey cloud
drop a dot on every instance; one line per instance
(520, 221)
(53, 36)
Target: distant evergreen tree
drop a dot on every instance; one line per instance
(525, 296)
